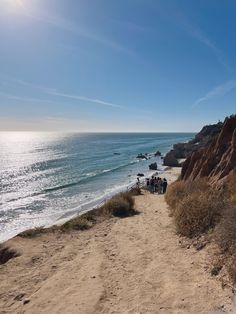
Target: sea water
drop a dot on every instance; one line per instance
(45, 177)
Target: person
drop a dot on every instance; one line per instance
(159, 188)
(155, 184)
(138, 183)
(164, 185)
(152, 184)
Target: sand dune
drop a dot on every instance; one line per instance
(131, 265)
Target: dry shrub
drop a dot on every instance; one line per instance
(32, 233)
(120, 205)
(6, 254)
(175, 193)
(225, 231)
(78, 223)
(195, 206)
(230, 188)
(128, 196)
(178, 190)
(231, 267)
(197, 212)
(135, 191)
(225, 236)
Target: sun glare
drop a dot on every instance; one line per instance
(13, 4)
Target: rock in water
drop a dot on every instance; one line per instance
(142, 156)
(157, 154)
(170, 160)
(153, 166)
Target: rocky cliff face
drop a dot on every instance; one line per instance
(201, 140)
(216, 160)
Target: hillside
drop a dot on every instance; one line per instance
(217, 160)
(201, 140)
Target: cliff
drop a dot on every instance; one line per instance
(217, 159)
(201, 140)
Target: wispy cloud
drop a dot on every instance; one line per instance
(27, 99)
(35, 86)
(84, 98)
(131, 26)
(72, 27)
(54, 92)
(181, 20)
(220, 90)
(202, 38)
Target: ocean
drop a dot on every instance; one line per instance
(46, 177)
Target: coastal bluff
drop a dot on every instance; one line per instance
(201, 140)
(217, 159)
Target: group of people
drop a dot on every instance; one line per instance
(157, 184)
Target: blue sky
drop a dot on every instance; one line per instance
(116, 65)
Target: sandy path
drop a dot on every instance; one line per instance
(132, 265)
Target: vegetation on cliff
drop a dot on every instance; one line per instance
(205, 196)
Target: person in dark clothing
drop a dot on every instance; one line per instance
(164, 185)
(152, 184)
(155, 183)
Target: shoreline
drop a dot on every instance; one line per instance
(87, 207)
(135, 264)
(101, 201)
(21, 210)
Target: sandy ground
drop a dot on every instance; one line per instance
(131, 265)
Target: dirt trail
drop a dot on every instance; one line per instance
(131, 265)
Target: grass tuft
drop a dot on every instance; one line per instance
(7, 254)
(32, 233)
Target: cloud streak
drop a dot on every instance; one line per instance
(197, 33)
(202, 38)
(28, 99)
(84, 98)
(54, 92)
(69, 26)
(220, 90)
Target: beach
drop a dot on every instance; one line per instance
(132, 265)
(50, 177)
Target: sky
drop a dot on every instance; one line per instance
(116, 65)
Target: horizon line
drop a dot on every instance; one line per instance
(96, 132)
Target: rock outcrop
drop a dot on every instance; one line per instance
(153, 166)
(170, 159)
(218, 159)
(142, 156)
(201, 140)
(157, 154)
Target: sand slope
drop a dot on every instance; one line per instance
(131, 265)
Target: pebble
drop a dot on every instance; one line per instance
(26, 301)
